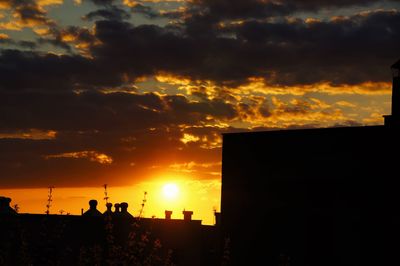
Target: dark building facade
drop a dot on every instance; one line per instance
(108, 239)
(314, 196)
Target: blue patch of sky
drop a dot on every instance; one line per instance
(70, 14)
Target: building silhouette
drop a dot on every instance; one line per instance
(112, 238)
(92, 209)
(314, 196)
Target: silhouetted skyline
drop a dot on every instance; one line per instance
(138, 93)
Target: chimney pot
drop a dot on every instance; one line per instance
(187, 215)
(168, 215)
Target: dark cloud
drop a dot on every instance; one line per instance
(21, 44)
(28, 12)
(99, 111)
(347, 50)
(110, 13)
(146, 11)
(68, 37)
(31, 70)
(342, 51)
(237, 9)
(102, 2)
(57, 42)
(74, 98)
(135, 130)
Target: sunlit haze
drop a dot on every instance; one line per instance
(200, 197)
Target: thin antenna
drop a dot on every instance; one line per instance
(106, 197)
(49, 199)
(143, 203)
(16, 208)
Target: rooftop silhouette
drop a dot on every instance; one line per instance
(5, 208)
(46, 237)
(92, 209)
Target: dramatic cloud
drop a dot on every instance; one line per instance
(98, 111)
(347, 50)
(28, 13)
(31, 70)
(341, 51)
(234, 9)
(125, 97)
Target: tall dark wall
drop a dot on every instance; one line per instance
(314, 197)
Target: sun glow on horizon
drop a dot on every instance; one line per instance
(170, 191)
(197, 196)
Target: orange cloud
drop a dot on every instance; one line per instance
(132, 3)
(34, 134)
(4, 36)
(302, 112)
(92, 156)
(260, 85)
(4, 4)
(193, 167)
(27, 14)
(187, 138)
(49, 2)
(374, 119)
(346, 104)
(11, 25)
(41, 30)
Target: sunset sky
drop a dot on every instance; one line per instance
(136, 93)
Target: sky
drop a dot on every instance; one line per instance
(136, 94)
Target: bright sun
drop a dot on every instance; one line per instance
(170, 191)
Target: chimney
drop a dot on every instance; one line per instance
(168, 215)
(393, 120)
(187, 215)
(217, 218)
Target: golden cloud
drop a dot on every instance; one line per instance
(260, 85)
(4, 4)
(11, 25)
(189, 138)
(302, 112)
(92, 156)
(193, 167)
(172, 79)
(4, 36)
(34, 134)
(251, 101)
(132, 3)
(41, 31)
(49, 2)
(374, 119)
(346, 104)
